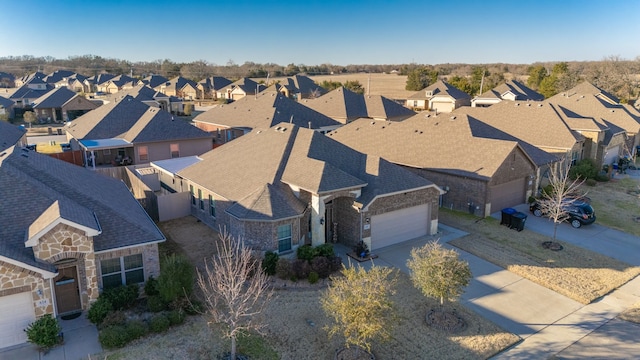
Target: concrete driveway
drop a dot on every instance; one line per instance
(595, 237)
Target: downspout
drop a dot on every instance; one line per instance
(53, 298)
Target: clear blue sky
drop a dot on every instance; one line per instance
(314, 32)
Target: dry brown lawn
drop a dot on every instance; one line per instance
(632, 314)
(295, 321)
(575, 272)
(617, 203)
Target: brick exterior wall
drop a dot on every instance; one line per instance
(150, 259)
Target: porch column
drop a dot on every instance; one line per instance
(317, 216)
(93, 159)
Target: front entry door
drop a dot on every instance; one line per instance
(67, 290)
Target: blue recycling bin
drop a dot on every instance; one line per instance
(507, 213)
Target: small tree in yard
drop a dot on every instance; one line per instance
(563, 191)
(438, 272)
(359, 304)
(235, 289)
(29, 117)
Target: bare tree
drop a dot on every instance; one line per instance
(563, 192)
(235, 289)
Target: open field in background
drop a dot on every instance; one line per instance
(577, 273)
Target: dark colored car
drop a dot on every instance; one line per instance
(580, 212)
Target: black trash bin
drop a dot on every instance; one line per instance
(506, 216)
(517, 221)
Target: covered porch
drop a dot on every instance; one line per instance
(107, 152)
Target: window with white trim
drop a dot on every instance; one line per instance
(143, 153)
(175, 150)
(284, 238)
(122, 271)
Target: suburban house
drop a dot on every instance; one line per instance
(344, 106)
(127, 131)
(154, 81)
(151, 97)
(439, 96)
(68, 241)
(117, 83)
(229, 121)
(61, 105)
(180, 87)
(286, 186)
(7, 80)
(511, 90)
(610, 127)
(6, 107)
(57, 76)
(75, 83)
(478, 174)
(210, 86)
(300, 87)
(97, 82)
(27, 78)
(240, 89)
(26, 94)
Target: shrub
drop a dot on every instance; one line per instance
(283, 268)
(325, 250)
(113, 337)
(602, 178)
(176, 278)
(122, 297)
(136, 329)
(301, 268)
(151, 287)
(305, 252)
(99, 310)
(114, 318)
(531, 200)
(176, 317)
(321, 266)
(313, 277)
(155, 303)
(194, 308)
(584, 169)
(159, 323)
(269, 262)
(591, 182)
(336, 263)
(44, 332)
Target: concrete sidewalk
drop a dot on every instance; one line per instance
(80, 341)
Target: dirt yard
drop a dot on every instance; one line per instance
(617, 203)
(295, 320)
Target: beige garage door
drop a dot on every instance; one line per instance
(507, 195)
(441, 106)
(611, 155)
(16, 313)
(400, 225)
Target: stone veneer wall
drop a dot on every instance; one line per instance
(66, 242)
(14, 280)
(263, 235)
(150, 258)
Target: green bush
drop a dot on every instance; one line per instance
(305, 252)
(151, 287)
(325, 250)
(122, 297)
(155, 303)
(176, 317)
(584, 169)
(114, 318)
(99, 310)
(313, 277)
(44, 332)
(194, 308)
(159, 323)
(602, 178)
(269, 262)
(591, 182)
(176, 278)
(136, 329)
(113, 337)
(283, 268)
